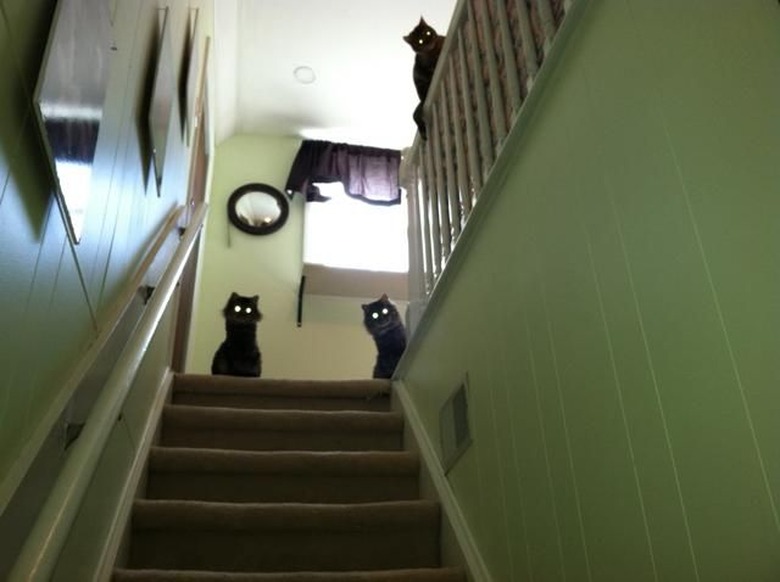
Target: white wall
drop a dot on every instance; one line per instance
(332, 343)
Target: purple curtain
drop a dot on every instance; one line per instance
(367, 173)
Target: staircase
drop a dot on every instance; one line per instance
(283, 481)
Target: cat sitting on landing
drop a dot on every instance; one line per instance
(383, 322)
(239, 354)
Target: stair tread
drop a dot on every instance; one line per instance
(289, 516)
(203, 383)
(281, 420)
(262, 480)
(182, 459)
(401, 575)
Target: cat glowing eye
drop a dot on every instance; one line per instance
(375, 315)
(237, 309)
(249, 310)
(384, 311)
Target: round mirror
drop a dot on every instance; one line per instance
(258, 209)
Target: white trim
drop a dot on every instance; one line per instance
(38, 557)
(124, 506)
(476, 565)
(18, 470)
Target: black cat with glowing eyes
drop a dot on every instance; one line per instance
(427, 45)
(383, 322)
(239, 354)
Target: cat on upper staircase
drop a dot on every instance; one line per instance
(426, 44)
(383, 323)
(239, 354)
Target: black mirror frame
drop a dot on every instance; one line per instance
(281, 199)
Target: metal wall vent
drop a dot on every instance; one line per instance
(454, 426)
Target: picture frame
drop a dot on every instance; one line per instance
(188, 79)
(161, 100)
(69, 101)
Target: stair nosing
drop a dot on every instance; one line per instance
(327, 389)
(287, 516)
(348, 576)
(181, 415)
(321, 463)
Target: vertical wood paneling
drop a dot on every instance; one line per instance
(55, 295)
(617, 312)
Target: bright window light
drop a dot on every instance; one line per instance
(351, 234)
(75, 181)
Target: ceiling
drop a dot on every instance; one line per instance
(363, 91)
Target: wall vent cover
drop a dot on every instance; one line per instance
(454, 426)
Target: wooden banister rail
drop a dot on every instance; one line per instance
(41, 550)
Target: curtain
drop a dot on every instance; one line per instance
(367, 173)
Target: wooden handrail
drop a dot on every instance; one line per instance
(75, 377)
(42, 548)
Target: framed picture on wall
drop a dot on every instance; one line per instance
(162, 99)
(188, 79)
(69, 101)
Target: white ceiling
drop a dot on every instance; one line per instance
(363, 92)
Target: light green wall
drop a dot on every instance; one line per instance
(332, 343)
(618, 313)
(55, 296)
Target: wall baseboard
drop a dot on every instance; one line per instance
(478, 571)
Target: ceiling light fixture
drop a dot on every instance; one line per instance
(304, 75)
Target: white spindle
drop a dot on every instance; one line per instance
(417, 288)
(462, 171)
(447, 124)
(527, 39)
(510, 63)
(433, 210)
(494, 81)
(425, 238)
(475, 181)
(483, 120)
(548, 23)
(441, 184)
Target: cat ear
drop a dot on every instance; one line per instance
(365, 307)
(233, 295)
(408, 39)
(422, 21)
(384, 297)
(255, 298)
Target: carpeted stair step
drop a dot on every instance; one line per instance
(416, 575)
(278, 537)
(302, 430)
(235, 392)
(282, 476)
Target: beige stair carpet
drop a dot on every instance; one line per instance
(283, 481)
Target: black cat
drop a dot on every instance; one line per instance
(383, 322)
(239, 355)
(427, 46)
